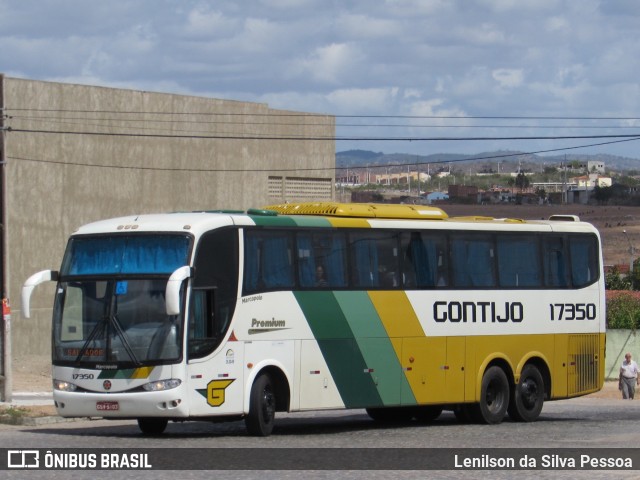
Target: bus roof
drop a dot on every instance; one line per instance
(320, 214)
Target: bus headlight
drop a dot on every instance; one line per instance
(161, 385)
(64, 386)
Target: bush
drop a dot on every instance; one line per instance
(615, 281)
(623, 311)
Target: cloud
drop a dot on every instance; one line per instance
(363, 100)
(485, 34)
(368, 27)
(203, 21)
(391, 57)
(328, 64)
(508, 77)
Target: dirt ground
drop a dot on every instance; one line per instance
(610, 221)
(33, 373)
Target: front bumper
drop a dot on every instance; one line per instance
(168, 403)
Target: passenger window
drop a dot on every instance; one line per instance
(424, 260)
(268, 261)
(584, 259)
(321, 260)
(519, 261)
(472, 260)
(374, 259)
(556, 268)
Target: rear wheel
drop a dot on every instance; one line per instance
(152, 426)
(494, 396)
(528, 396)
(262, 407)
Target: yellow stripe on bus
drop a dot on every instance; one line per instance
(341, 222)
(142, 372)
(396, 313)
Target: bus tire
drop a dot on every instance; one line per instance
(152, 426)
(494, 396)
(262, 407)
(528, 396)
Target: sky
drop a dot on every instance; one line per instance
(402, 76)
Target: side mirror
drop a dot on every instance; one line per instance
(172, 292)
(32, 282)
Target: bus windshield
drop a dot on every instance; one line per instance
(110, 302)
(120, 322)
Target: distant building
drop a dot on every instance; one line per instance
(591, 181)
(463, 191)
(434, 197)
(595, 167)
(401, 178)
(582, 187)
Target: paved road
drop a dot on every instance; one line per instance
(579, 423)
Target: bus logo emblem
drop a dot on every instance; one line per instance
(215, 392)
(107, 385)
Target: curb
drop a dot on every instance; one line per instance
(37, 421)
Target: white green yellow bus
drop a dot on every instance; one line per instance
(396, 309)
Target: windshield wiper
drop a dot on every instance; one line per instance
(125, 341)
(94, 332)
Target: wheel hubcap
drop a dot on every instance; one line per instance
(268, 404)
(529, 393)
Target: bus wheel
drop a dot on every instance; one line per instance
(262, 407)
(152, 426)
(428, 414)
(528, 396)
(494, 396)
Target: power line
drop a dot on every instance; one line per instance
(327, 138)
(253, 170)
(67, 120)
(301, 114)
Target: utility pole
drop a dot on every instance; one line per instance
(5, 332)
(632, 254)
(564, 181)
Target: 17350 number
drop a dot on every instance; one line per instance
(573, 311)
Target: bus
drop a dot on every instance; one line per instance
(397, 309)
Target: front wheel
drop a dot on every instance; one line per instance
(262, 407)
(152, 426)
(494, 396)
(528, 396)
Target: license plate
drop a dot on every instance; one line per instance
(102, 406)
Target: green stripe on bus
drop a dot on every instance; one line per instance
(339, 349)
(303, 221)
(376, 347)
(286, 221)
(275, 221)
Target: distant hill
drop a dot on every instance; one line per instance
(505, 160)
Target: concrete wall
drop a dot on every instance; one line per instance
(620, 342)
(78, 153)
